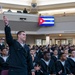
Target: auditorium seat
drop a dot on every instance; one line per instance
(4, 72)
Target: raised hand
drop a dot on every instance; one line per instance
(5, 20)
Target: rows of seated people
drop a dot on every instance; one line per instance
(47, 60)
(53, 60)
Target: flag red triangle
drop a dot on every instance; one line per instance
(41, 20)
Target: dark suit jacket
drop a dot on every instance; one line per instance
(3, 64)
(65, 69)
(20, 60)
(71, 65)
(36, 59)
(46, 70)
(39, 54)
(54, 58)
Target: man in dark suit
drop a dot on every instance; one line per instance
(20, 61)
(55, 55)
(62, 66)
(3, 60)
(38, 53)
(35, 59)
(47, 65)
(71, 62)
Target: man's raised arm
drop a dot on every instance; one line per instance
(9, 38)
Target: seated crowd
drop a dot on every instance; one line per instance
(47, 60)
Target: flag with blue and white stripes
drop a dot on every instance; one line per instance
(46, 21)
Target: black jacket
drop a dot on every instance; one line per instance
(3, 64)
(65, 69)
(71, 65)
(46, 70)
(20, 60)
(54, 58)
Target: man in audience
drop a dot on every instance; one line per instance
(3, 59)
(66, 52)
(55, 55)
(35, 58)
(62, 65)
(37, 68)
(47, 65)
(20, 61)
(71, 62)
(38, 52)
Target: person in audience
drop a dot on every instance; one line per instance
(62, 66)
(71, 62)
(1, 43)
(3, 60)
(66, 52)
(55, 55)
(34, 57)
(37, 68)
(47, 65)
(60, 50)
(25, 10)
(20, 61)
(38, 53)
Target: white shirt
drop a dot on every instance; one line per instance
(73, 59)
(47, 62)
(63, 62)
(1, 43)
(22, 44)
(5, 58)
(37, 51)
(56, 56)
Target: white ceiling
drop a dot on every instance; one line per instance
(18, 2)
(50, 2)
(39, 2)
(45, 7)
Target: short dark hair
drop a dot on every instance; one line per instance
(72, 51)
(45, 52)
(60, 55)
(19, 32)
(3, 48)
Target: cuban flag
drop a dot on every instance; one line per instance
(46, 21)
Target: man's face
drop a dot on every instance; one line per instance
(1, 41)
(64, 57)
(22, 36)
(73, 54)
(47, 56)
(4, 52)
(32, 52)
(66, 51)
(55, 52)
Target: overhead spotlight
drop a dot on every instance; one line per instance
(60, 34)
